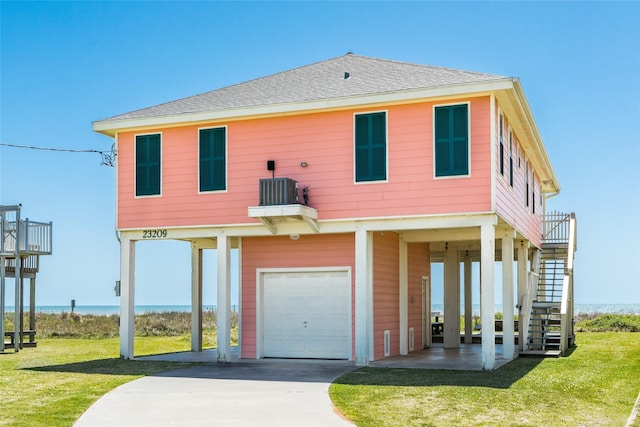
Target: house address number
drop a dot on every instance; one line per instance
(154, 234)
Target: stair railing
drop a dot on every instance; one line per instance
(526, 304)
(566, 306)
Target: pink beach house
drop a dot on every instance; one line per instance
(340, 183)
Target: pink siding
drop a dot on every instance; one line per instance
(328, 250)
(386, 293)
(419, 266)
(325, 142)
(511, 201)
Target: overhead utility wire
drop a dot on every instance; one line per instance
(108, 157)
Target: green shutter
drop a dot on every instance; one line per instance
(212, 155)
(371, 147)
(148, 165)
(451, 140)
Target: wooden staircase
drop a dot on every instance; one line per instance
(550, 330)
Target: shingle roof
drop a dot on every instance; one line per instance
(319, 81)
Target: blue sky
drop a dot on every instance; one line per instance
(67, 64)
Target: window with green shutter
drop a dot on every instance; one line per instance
(452, 140)
(213, 159)
(371, 147)
(148, 165)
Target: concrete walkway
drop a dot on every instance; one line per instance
(278, 393)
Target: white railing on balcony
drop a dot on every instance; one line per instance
(26, 237)
(555, 227)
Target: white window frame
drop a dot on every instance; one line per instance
(135, 165)
(386, 136)
(226, 159)
(433, 139)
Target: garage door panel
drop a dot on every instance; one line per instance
(307, 315)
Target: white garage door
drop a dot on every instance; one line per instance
(306, 315)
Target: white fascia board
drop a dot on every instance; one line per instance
(554, 185)
(348, 225)
(109, 127)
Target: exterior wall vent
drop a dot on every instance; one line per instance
(278, 191)
(411, 339)
(387, 343)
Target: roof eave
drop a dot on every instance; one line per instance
(551, 184)
(111, 126)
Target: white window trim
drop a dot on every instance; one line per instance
(386, 136)
(135, 172)
(433, 140)
(226, 159)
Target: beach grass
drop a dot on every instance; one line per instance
(596, 385)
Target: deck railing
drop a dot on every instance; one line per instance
(27, 237)
(555, 227)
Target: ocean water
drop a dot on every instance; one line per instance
(141, 309)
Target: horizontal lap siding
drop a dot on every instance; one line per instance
(329, 250)
(418, 266)
(325, 142)
(511, 201)
(386, 292)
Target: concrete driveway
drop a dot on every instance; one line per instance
(261, 393)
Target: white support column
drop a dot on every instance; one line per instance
(196, 297)
(487, 296)
(404, 297)
(451, 297)
(32, 306)
(127, 296)
(17, 318)
(468, 308)
(523, 252)
(224, 298)
(2, 296)
(364, 297)
(508, 340)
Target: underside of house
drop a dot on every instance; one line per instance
(362, 292)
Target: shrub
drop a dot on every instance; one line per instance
(609, 323)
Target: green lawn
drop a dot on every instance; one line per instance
(596, 386)
(54, 383)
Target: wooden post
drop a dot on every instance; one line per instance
(523, 251)
(18, 302)
(363, 297)
(32, 308)
(508, 339)
(451, 328)
(404, 297)
(127, 296)
(3, 266)
(468, 308)
(21, 328)
(196, 297)
(487, 296)
(224, 298)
